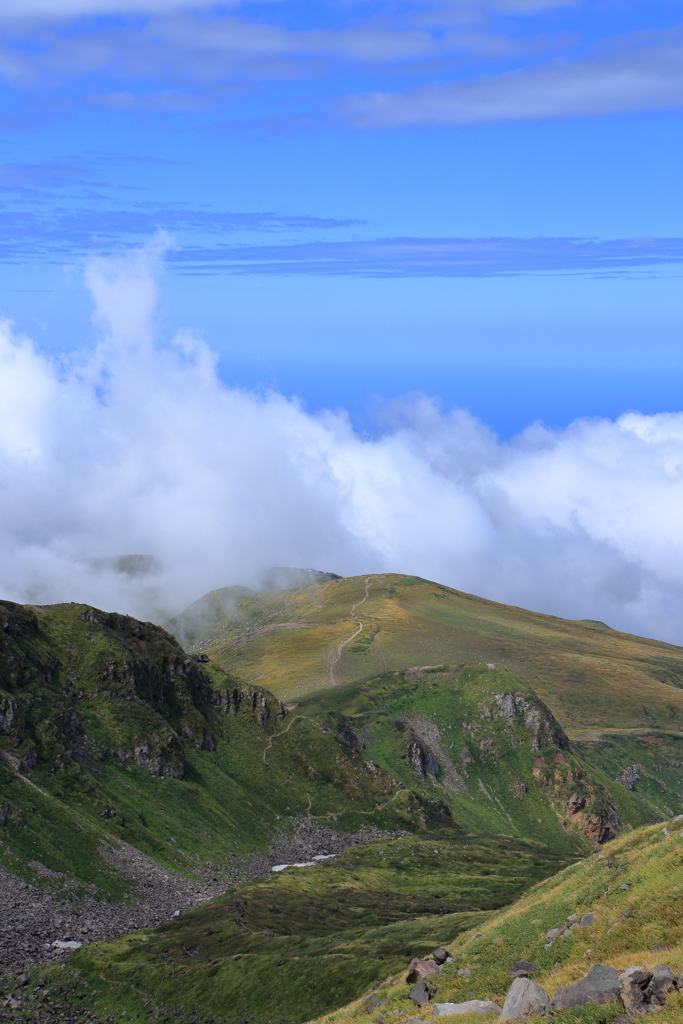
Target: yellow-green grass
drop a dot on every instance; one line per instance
(591, 677)
(630, 923)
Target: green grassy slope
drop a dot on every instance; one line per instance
(109, 731)
(307, 940)
(479, 739)
(296, 642)
(635, 889)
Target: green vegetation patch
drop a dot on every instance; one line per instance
(307, 940)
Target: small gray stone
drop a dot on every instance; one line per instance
(471, 1006)
(419, 994)
(441, 955)
(587, 919)
(464, 972)
(637, 973)
(524, 999)
(663, 979)
(522, 969)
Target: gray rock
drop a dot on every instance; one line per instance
(601, 985)
(522, 969)
(471, 1006)
(554, 933)
(663, 980)
(420, 969)
(374, 1003)
(464, 972)
(419, 994)
(587, 919)
(638, 974)
(631, 985)
(524, 999)
(440, 955)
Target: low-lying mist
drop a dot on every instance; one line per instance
(132, 478)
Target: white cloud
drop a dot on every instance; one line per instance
(645, 73)
(140, 449)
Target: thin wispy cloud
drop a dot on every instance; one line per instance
(66, 235)
(439, 257)
(646, 75)
(467, 63)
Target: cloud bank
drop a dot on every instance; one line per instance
(137, 448)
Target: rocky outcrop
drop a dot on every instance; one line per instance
(631, 775)
(250, 700)
(161, 756)
(513, 719)
(420, 759)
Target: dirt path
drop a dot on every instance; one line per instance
(337, 651)
(276, 734)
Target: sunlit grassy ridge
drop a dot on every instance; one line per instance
(592, 678)
(638, 904)
(304, 941)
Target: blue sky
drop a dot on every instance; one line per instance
(478, 201)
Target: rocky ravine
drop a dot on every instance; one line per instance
(40, 922)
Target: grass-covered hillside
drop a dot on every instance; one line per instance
(307, 940)
(478, 738)
(295, 642)
(110, 732)
(635, 890)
